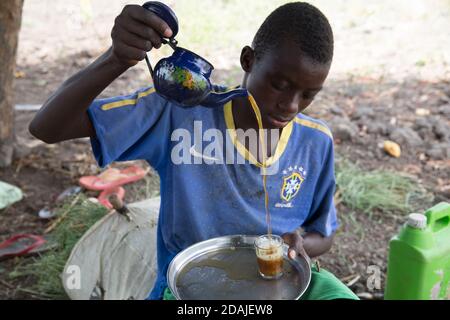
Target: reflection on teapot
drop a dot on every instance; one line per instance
(184, 77)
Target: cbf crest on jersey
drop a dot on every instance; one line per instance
(292, 182)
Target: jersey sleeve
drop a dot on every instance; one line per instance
(323, 217)
(131, 127)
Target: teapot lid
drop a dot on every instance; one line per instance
(164, 12)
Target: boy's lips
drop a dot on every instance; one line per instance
(278, 122)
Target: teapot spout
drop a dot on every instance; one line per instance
(217, 99)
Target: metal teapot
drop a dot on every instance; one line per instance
(184, 77)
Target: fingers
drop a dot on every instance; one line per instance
(150, 19)
(128, 53)
(289, 238)
(136, 31)
(295, 242)
(133, 30)
(137, 42)
(292, 254)
(301, 251)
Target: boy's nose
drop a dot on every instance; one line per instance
(290, 106)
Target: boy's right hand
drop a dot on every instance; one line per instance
(136, 31)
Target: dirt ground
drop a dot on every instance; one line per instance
(389, 100)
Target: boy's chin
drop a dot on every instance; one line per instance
(272, 123)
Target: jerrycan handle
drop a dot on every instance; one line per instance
(165, 13)
(438, 216)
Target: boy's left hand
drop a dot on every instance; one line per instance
(295, 242)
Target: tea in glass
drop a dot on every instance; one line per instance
(269, 254)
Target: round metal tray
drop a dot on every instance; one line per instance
(225, 268)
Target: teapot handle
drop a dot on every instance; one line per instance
(149, 65)
(165, 13)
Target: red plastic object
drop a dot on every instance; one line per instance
(7, 246)
(103, 197)
(131, 174)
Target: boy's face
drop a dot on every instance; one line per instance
(283, 82)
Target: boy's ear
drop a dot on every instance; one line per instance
(247, 58)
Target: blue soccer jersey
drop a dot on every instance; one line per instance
(211, 185)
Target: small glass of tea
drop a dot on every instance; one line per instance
(269, 254)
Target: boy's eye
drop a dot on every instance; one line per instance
(279, 85)
(308, 95)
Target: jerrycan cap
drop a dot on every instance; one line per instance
(417, 221)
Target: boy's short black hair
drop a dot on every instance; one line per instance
(301, 23)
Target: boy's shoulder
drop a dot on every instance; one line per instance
(146, 97)
(314, 127)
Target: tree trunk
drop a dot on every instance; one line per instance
(10, 19)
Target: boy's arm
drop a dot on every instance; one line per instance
(64, 115)
(313, 244)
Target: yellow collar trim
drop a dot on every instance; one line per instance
(127, 102)
(314, 125)
(281, 145)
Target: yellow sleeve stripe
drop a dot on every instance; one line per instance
(122, 103)
(314, 125)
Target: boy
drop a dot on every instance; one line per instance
(284, 69)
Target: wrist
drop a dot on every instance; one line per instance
(299, 231)
(113, 62)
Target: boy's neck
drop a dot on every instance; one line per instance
(245, 119)
(243, 115)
